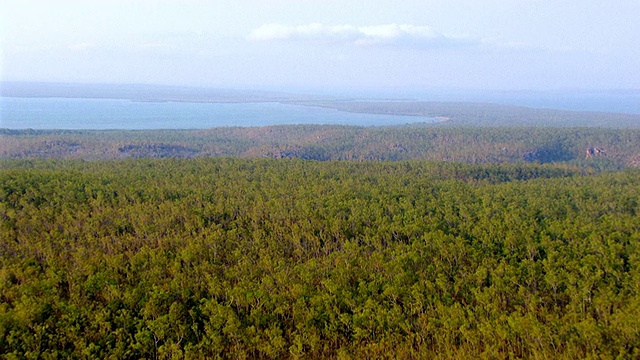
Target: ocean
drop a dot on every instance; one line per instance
(105, 114)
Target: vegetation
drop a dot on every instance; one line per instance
(478, 145)
(263, 258)
(460, 239)
(479, 114)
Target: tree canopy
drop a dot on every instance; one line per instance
(264, 258)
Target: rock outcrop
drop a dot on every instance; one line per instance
(594, 151)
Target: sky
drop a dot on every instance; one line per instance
(325, 44)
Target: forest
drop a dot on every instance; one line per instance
(466, 144)
(291, 258)
(479, 236)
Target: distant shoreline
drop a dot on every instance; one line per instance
(434, 113)
(622, 101)
(146, 93)
(126, 114)
(164, 116)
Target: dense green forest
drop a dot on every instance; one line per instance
(460, 239)
(477, 145)
(265, 258)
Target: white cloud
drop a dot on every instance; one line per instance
(388, 34)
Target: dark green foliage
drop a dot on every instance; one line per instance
(232, 258)
(475, 145)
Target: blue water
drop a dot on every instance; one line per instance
(103, 114)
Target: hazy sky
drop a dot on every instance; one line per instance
(276, 44)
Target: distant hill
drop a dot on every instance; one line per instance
(139, 92)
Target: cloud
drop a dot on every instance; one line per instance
(388, 34)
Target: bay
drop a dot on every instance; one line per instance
(119, 114)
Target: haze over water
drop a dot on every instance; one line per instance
(102, 114)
